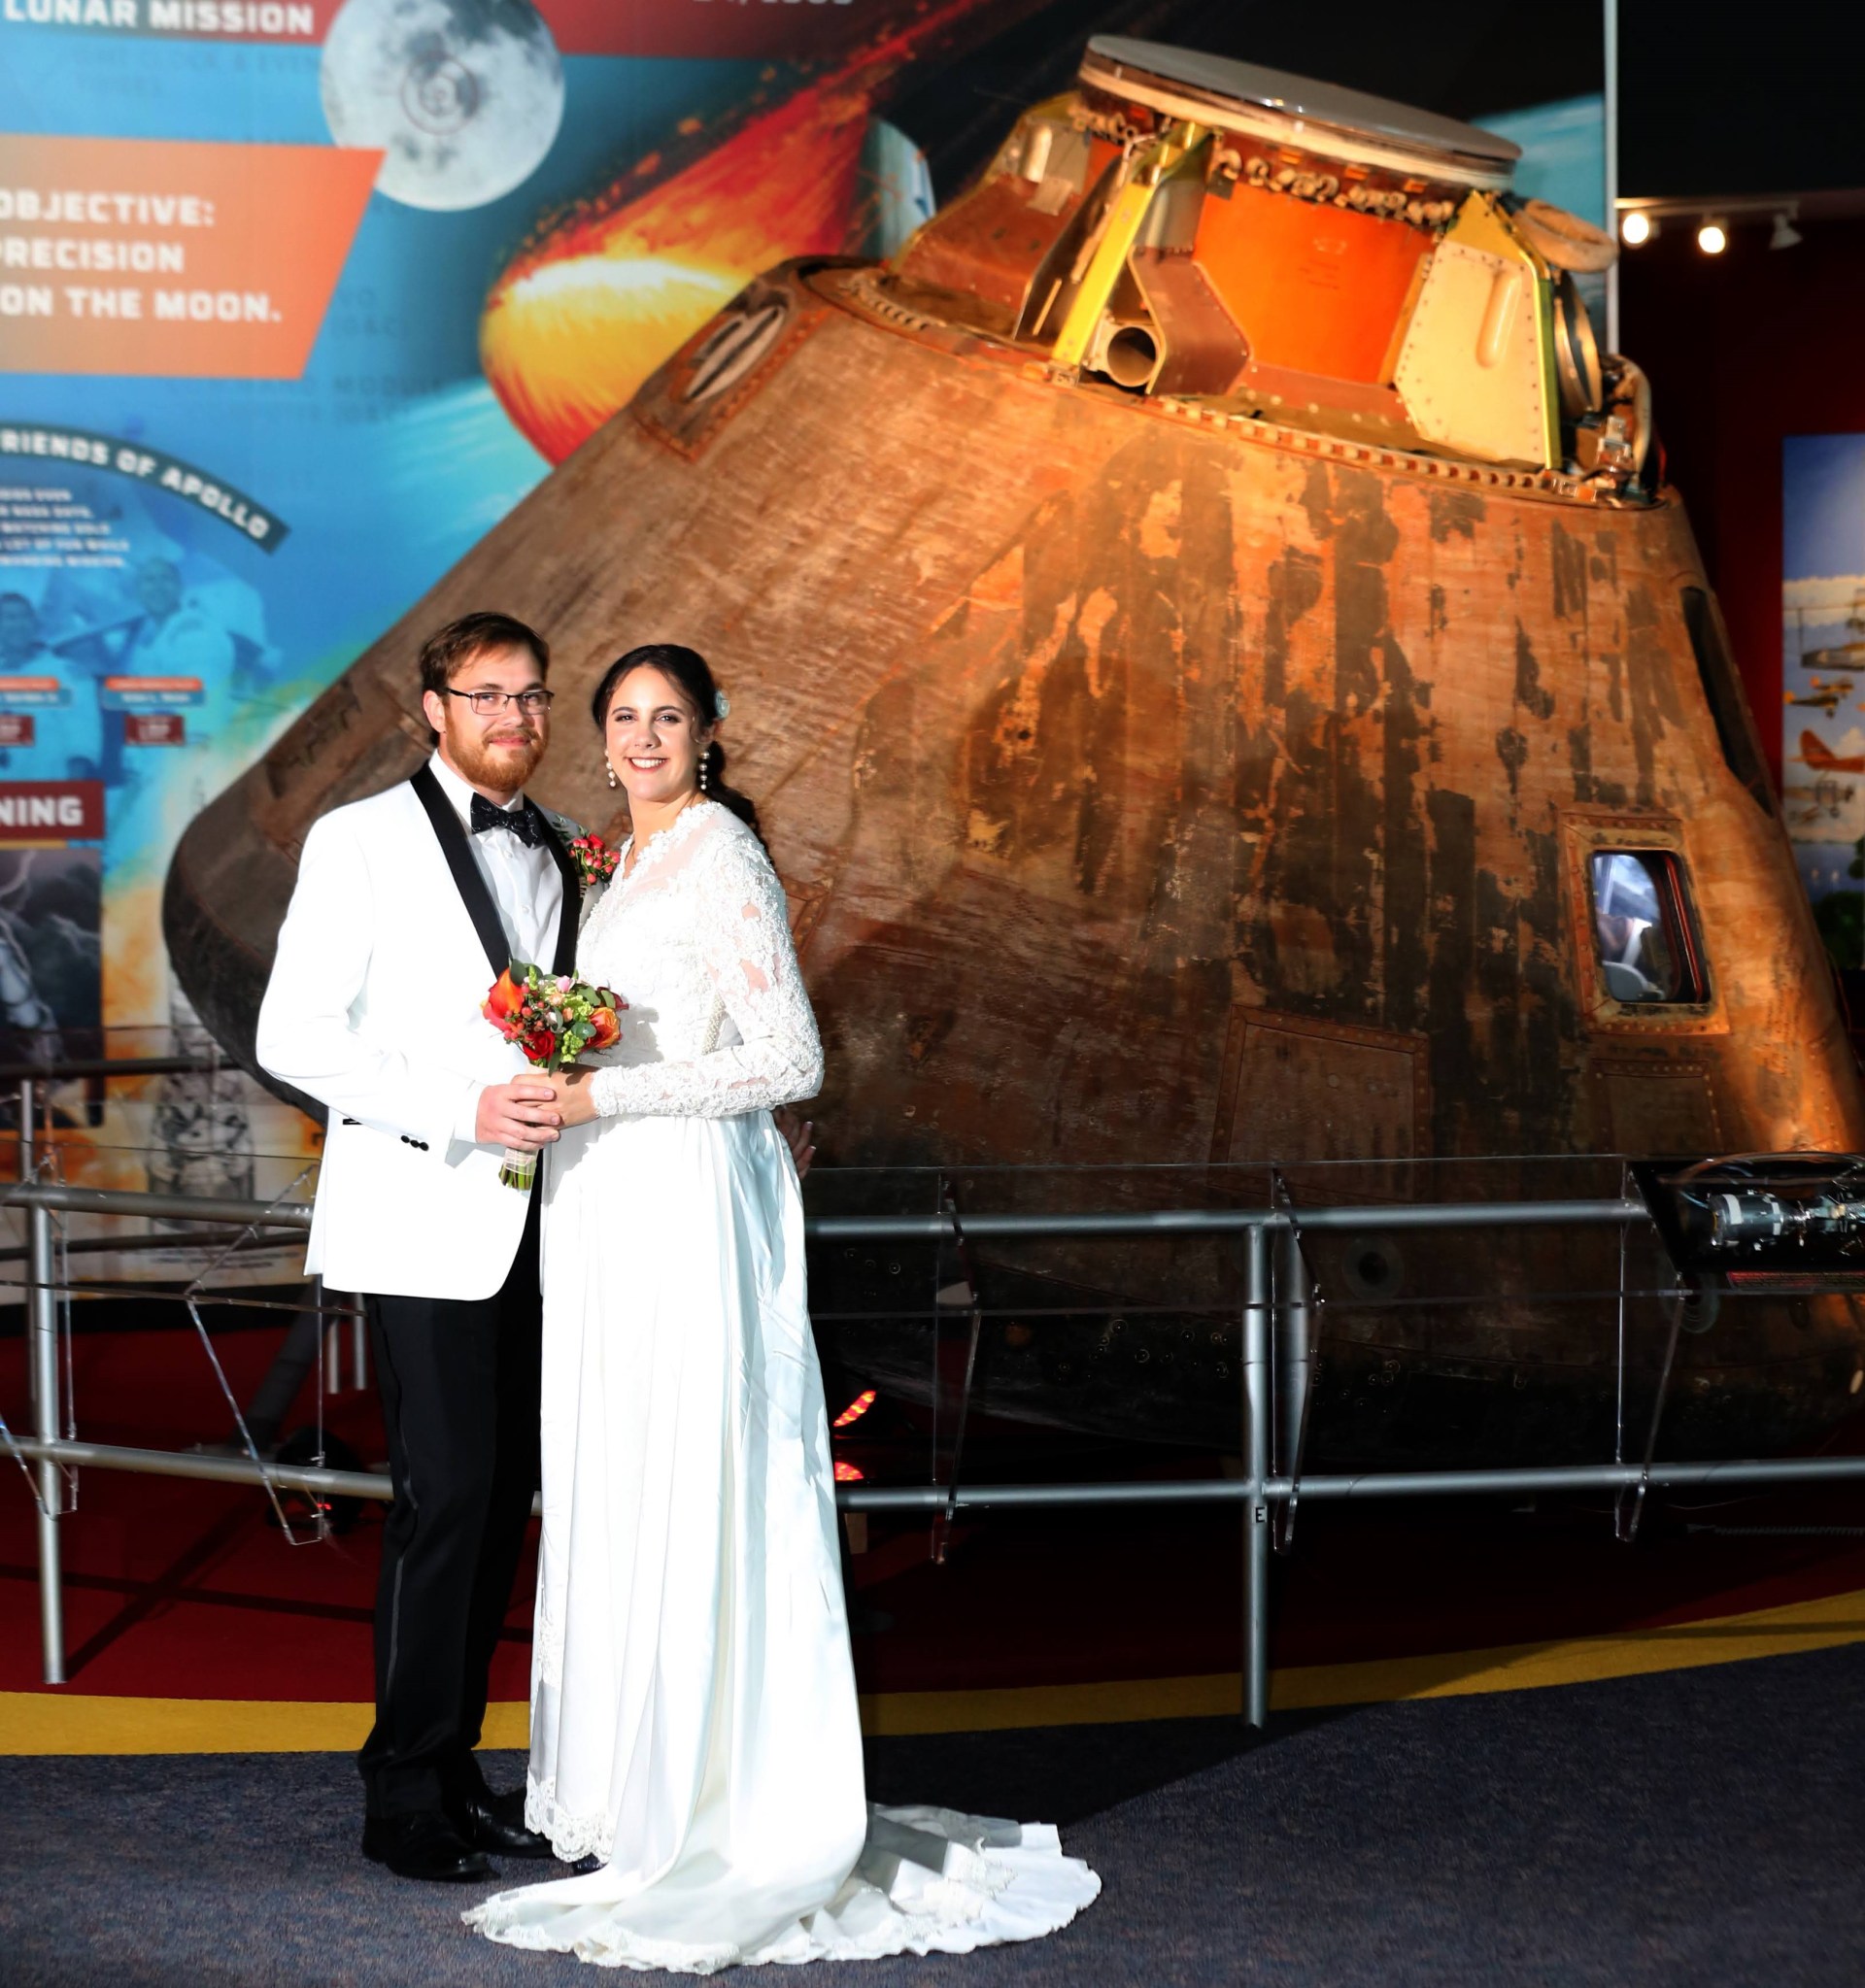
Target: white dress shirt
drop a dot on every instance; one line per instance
(525, 883)
(526, 886)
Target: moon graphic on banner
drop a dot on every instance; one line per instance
(464, 97)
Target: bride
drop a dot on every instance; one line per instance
(694, 1721)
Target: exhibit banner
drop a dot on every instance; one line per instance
(297, 302)
(1823, 733)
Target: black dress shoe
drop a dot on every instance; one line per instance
(496, 1823)
(425, 1845)
(508, 1807)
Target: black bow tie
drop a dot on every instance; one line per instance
(520, 820)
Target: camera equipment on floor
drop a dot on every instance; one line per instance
(1755, 1216)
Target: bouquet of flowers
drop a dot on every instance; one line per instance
(553, 1019)
(594, 861)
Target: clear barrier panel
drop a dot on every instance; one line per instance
(1412, 1336)
(1441, 1314)
(98, 1250)
(195, 1125)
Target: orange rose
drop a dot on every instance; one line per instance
(606, 1027)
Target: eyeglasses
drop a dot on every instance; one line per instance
(490, 703)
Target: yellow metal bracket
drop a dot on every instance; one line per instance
(1169, 155)
(1482, 223)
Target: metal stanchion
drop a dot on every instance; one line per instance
(41, 1340)
(1256, 1469)
(1294, 1363)
(332, 1342)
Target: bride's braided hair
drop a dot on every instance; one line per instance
(688, 668)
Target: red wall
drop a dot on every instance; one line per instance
(1742, 349)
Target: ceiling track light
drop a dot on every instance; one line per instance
(1641, 220)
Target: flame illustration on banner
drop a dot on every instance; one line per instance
(603, 294)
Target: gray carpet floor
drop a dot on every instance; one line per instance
(1702, 1827)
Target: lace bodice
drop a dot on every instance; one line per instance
(697, 941)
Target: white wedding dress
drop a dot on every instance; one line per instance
(694, 1721)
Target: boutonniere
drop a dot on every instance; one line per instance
(594, 861)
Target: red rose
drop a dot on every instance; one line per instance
(507, 997)
(540, 1046)
(605, 1026)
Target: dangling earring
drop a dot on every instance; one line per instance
(609, 768)
(705, 759)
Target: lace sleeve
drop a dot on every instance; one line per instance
(744, 939)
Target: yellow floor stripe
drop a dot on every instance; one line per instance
(1817, 1625)
(1822, 1624)
(61, 1722)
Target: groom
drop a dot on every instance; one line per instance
(407, 907)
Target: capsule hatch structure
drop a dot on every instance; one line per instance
(1221, 687)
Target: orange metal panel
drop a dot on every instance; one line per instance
(1314, 287)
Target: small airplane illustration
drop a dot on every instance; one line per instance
(1825, 760)
(1823, 695)
(1841, 655)
(1822, 798)
(1837, 655)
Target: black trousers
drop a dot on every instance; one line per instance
(460, 1396)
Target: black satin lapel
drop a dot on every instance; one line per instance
(567, 918)
(467, 880)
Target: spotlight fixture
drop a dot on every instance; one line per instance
(1785, 234)
(1637, 228)
(1712, 237)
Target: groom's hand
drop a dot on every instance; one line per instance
(520, 1113)
(797, 1136)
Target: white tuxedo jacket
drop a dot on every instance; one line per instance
(373, 1009)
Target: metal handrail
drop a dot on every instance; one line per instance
(61, 1197)
(1336, 1487)
(1587, 1214)
(113, 1066)
(205, 1467)
(1098, 1227)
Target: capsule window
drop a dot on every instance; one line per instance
(1642, 932)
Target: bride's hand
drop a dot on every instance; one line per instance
(575, 1098)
